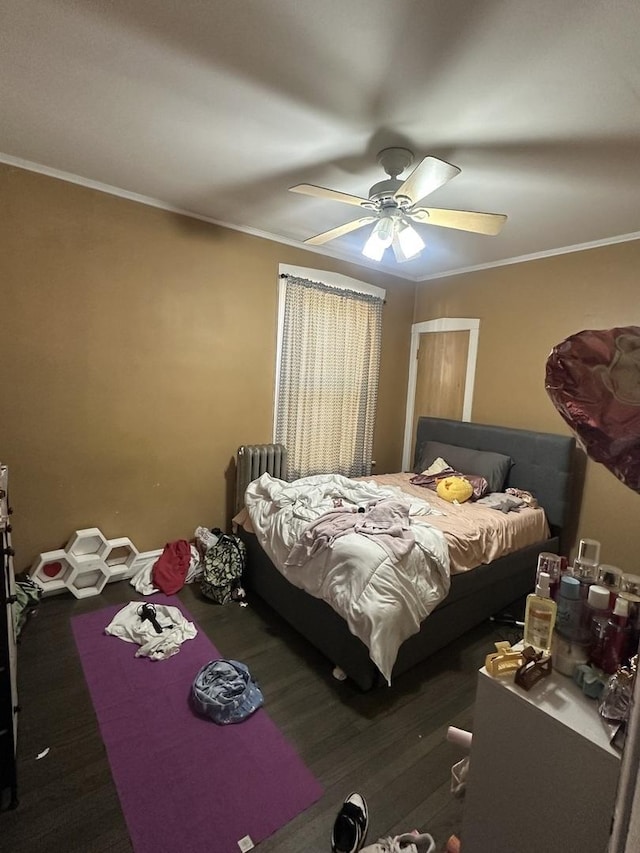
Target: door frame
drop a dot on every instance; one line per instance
(443, 324)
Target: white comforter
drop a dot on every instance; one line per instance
(382, 597)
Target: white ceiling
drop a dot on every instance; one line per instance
(216, 107)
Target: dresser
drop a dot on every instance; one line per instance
(8, 656)
(542, 774)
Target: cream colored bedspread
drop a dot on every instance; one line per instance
(475, 533)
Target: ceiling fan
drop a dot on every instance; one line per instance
(394, 203)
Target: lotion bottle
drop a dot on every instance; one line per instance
(540, 616)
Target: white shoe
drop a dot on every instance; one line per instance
(408, 842)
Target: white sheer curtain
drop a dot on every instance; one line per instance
(328, 378)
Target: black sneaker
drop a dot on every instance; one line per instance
(351, 824)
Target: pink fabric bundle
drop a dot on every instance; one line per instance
(593, 379)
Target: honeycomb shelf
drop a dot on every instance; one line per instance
(88, 576)
(51, 571)
(120, 559)
(88, 542)
(87, 563)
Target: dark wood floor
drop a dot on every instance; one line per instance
(388, 744)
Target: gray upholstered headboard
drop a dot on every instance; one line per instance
(543, 462)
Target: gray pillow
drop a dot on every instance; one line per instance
(494, 467)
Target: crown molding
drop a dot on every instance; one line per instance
(536, 256)
(30, 166)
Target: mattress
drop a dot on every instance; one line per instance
(476, 534)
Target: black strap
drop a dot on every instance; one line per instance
(148, 611)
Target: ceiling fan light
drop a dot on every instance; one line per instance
(411, 243)
(380, 239)
(384, 229)
(374, 248)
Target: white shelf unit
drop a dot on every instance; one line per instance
(120, 559)
(51, 571)
(88, 562)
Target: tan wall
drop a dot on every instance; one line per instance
(524, 310)
(137, 352)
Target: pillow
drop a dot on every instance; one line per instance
(494, 467)
(430, 481)
(436, 467)
(454, 489)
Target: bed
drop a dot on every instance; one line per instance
(542, 464)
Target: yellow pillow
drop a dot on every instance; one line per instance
(454, 489)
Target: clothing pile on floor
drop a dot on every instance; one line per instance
(223, 690)
(216, 561)
(159, 630)
(180, 563)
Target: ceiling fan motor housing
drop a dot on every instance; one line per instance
(393, 161)
(384, 192)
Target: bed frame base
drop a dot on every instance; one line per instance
(474, 597)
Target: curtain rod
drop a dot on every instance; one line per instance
(331, 286)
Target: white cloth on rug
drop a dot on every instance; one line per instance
(128, 625)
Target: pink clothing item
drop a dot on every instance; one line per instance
(385, 522)
(170, 569)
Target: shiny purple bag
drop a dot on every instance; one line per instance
(593, 380)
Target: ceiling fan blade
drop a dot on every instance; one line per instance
(428, 175)
(332, 195)
(319, 239)
(463, 220)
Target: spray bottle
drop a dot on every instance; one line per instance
(540, 616)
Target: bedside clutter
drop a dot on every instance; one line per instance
(552, 710)
(589, 633)
(598, 611)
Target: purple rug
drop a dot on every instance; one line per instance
(185, 783)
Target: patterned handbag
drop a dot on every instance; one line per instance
(224, 564)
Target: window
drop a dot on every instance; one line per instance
(327, 376)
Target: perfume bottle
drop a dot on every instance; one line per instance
(552, 564)
(611, 577)
(540, 616)
(585, 565)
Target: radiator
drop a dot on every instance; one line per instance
(252, 460)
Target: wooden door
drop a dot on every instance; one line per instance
(440, 376)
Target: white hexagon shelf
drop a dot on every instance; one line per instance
(90, 542)
(51, 571)
(120, 558)
(88, 576)
(88, 562)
